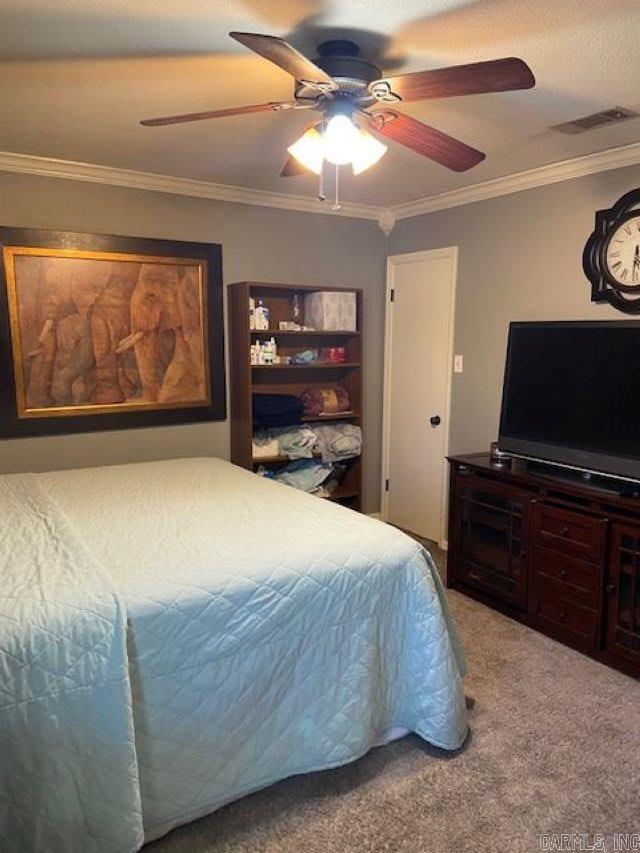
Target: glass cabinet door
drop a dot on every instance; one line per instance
(492, 555)
(623, 590)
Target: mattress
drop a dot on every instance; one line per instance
(268, 633)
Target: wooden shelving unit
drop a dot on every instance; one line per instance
(247, 379)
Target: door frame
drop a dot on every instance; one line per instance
(450, 253)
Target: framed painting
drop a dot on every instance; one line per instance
(103, 332)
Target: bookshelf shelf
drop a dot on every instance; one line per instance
(324, 365)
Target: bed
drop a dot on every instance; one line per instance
(175, 635)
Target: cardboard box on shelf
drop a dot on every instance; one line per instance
(328, 310)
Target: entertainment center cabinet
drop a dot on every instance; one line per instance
(550, 549)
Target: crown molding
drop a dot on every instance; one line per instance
(29, 164)
(577, 167)
(565, 170)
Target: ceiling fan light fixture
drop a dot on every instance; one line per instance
(367, 152)
(340, 140)
(309, 150)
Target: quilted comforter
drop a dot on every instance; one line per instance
(174, 635)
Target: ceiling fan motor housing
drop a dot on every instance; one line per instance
(340, 59)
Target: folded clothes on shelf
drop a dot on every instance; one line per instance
(275, 410)
(264, 445)
(295, 442)
(338, 440)
(332, 441)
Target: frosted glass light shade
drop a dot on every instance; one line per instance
(340, 140)
(309, 150)
(367, 152)
(341, 143)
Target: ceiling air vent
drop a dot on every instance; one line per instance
(591, 122)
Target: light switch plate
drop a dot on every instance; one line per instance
(458, 364)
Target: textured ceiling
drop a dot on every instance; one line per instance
(77, 75)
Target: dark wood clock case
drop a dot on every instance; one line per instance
(605, 288)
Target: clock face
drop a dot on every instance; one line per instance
(623, 253)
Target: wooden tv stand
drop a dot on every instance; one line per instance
(555, 551)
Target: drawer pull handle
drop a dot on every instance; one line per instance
(562, 574)
(562, 616)
(564, 531)
(611, 588)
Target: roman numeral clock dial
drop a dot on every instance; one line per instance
(623, 252)
(611, 258)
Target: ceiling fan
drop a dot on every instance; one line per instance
(352, 97)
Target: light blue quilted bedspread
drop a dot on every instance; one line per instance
(268, 633)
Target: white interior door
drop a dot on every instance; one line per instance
(418, 367)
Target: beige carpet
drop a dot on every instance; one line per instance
(554, 747)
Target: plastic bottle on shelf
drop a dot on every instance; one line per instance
(261, 316)
(270, 351)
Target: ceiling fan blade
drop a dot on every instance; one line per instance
(293, 169)
(496, 75)
(425, 140)
(281, 53)
(232, 111)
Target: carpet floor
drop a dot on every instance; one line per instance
(554, 748)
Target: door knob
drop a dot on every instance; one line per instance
(435, 420)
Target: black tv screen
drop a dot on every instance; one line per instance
(572, 395)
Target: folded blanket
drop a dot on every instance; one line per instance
(297, 443)
(276, 410)
(338, 441)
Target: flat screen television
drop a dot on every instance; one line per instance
(571, 395)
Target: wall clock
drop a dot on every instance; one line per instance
(611, 258)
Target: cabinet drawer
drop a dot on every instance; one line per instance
(568, 532)
(501, 585)
(563, 618)
(575, 579)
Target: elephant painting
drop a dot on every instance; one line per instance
(110, 333)
(166, 334)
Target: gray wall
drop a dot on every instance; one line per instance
(258, 243)
(520, 258)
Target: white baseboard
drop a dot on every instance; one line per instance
(444, 545)
(377, 515)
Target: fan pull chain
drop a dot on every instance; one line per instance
(321, 193)
(337, 206)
